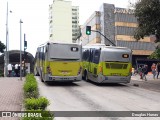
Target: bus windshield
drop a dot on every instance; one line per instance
(116, 55)
(64, 52)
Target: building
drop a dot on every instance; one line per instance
(63, 21)
(14, 59)
(118, 25)
(75, 23)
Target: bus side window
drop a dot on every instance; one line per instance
(43, 53)
(96, 55)
(85, 55)
(91, 55)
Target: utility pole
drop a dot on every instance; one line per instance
(6, 52)
(25, 47)
(20, 49)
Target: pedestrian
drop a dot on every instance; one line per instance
(153, 68)
(144, 72)
(133, 70)
(16, 69)
(9, 70)
(158, 69)
(140, 72)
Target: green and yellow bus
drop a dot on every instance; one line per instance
(59, 62)
(106, 64)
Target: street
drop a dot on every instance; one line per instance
(87, 96)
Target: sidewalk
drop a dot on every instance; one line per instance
(11, 94)
(150, 84)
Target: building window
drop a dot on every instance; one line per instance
(51, 35)
(74, 9)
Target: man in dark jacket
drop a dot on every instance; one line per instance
(158, 69)
(144, 72)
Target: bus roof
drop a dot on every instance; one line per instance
(51, 42)
(104, 46)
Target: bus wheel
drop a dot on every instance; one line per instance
(41, 77)
(85, 76)
(36, 73)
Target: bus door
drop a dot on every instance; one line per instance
(90, 61)
(96, 56)
(94, 60)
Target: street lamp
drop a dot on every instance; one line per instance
(20, 49)
(7, 45)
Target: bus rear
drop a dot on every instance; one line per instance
(115, 65)
(64, 63)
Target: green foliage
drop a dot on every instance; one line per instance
(155, 54)
(1, 73)
(2, 47)
(32, 103)
(148, 17)
(30, 87)
(35, 104)
(37, 118)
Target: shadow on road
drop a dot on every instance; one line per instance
(64, 84)
(107, 84)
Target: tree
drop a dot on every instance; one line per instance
(148, 17)
(155, 54)
(2, 47)
(147, 13)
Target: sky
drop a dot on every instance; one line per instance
(35, 14)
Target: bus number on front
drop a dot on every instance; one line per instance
(74, 49)
(125, 56)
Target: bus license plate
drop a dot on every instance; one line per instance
(115, 74)
(64, 72)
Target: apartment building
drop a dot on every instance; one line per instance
(118, 25)
(75, 23)
(63, 21)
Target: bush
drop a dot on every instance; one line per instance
(1, 73)
(35, 104)
(30, 87)
(32, 102)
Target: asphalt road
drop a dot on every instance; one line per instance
(87, 96)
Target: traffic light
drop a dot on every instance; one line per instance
(25, 45)
(88, 30)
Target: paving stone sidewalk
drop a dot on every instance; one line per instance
(150, 84)
(11, 95)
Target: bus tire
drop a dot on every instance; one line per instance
(41, 77)
(36, 73)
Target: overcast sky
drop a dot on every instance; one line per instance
(34, 14)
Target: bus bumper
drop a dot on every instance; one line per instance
(114, 79)
(49, 78)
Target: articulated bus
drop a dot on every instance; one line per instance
(59, 62)
(106, 64)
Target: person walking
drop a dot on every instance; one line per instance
(133, 70)
(16, 69)
(153, 68)
(144, 72)
(158, 69)
(9, 70)
(140, 72)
